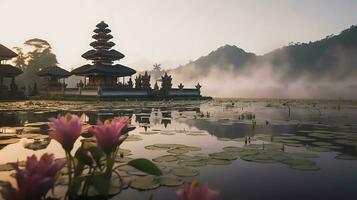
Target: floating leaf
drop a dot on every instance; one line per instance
(223, 155)
(170, 181)
(184, 171)
(165, 158)
(146, 166)
(346, 157)
(213, 161)
(145, 183)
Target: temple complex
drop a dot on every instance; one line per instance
(105, 78)
(8, 87)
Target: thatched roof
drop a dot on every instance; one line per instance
(102, 36)
(6, 53)
(116, 70)
(99, 44)
(102, 30)
(102, 25)
(54, 71)
(106, 54)
(9, 70)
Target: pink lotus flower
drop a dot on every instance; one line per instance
(108, 133)
(65, 130)
(194, 192)
(35, 180)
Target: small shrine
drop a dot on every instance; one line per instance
(54, 77)
(8, 87)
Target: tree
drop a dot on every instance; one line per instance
(157, 71)
(33, 61)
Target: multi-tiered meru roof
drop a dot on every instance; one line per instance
(103, 57)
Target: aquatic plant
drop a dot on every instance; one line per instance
(194, 192)
(107, 134)
(98, 155)
(35, 180)
(65, 130)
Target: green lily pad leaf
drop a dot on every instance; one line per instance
(165, 158)
(213, 161)
(223, 155)
(178, 151)
(184, 171)
(37, 145)
(122, 159)
(295, 145)
(191, 148)
(133, 138)
(319, 149)
(233, 149)
(186, 157)
(305, 167)
(346, 157)
(321, 143)
(169, 146)
(124, 152)
(146, 166)
(299, 162)
(170, 181)
(145, 183)
(193, 163)
(296, 155)
(346, 142)
(153, 147)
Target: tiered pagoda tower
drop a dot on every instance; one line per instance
(103, 71)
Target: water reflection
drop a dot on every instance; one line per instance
(213, 126)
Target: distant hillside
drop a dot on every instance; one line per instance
(225, 58)
(334, 57)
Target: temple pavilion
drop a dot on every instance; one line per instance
(103, 71)
(54, 77)
(8, 74)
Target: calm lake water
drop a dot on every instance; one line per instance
(311, 154)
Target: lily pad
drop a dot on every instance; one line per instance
(178, 151)
(346, 157)
(214, 161)
(223, 155)
(184, 171)
(165, 158)
(145, 183)
(303, 155)
(169, 146)
(233, 149)
(131, 138)
(319, 149)
(170, 181)
(193, 163)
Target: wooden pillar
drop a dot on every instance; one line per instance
(123, 80)
(1, 81)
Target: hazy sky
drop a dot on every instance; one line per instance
(171, 32)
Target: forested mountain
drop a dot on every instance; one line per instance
(334, 57)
